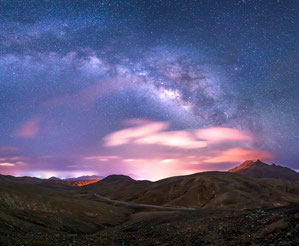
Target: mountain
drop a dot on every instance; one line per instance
(258, 169)
(84, 178)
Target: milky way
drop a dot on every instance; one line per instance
(187, 85)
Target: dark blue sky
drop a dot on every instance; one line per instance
(147, 88)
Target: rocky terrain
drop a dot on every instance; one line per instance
(263, 226)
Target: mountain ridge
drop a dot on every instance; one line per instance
(259, 169)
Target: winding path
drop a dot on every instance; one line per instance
(137, 205)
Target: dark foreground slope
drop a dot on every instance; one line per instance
(271, 226)
(28, 204)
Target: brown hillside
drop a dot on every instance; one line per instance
(283, 185)
(214, 190)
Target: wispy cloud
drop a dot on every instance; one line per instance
(154, 133)
(29, 129)
(222, 134)
(7, 164)
(157, 133)
(238, 155)
(10, 161)
(7, 148)
(102, 158)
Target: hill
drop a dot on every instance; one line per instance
(258, 169)
(117, 187)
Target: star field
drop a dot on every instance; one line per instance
(218, 76)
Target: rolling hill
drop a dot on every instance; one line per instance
(200, 190)
(214, 190)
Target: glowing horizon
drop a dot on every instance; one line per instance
(149, 149)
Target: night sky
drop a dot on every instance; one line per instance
(149, 89)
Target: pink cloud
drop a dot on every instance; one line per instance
(239, 155)
(7, 164)
(90, 94)
(29, 129)
(133, 134)
(15, 158)
(179, 139)
(81, 98)
(146, 132)
(154, 133)
(11, 161)
(102, 157)
(220, 134)
(7, 148)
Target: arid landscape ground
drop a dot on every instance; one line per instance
(226, 208)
